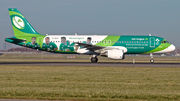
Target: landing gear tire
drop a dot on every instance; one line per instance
(94, 59)
(152, 61)
(151, 55)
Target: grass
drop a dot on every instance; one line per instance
(34, 57)
(89, 83)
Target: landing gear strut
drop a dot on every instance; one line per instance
(94, 59)
(151, 55)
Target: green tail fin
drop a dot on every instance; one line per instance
(20, 24)
(22, 28)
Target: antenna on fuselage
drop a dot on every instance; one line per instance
(75, 34)
(149, 34)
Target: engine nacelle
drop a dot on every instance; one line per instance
(115, 54)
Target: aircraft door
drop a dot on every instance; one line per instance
(152, 42)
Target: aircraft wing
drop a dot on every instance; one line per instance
(95, 48)
(89, 46)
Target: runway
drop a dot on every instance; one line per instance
(104, 64)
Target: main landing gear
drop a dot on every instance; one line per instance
(94, 59)
(151, 55)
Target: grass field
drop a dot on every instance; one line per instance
(89, 83)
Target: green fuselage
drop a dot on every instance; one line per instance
(141, 44)
(24, 32)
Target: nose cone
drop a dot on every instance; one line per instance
(168, 49)
(171, 48)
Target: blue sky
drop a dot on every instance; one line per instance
(100, 17)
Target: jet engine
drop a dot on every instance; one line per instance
(115, 54)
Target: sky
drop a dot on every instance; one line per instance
(96, 17)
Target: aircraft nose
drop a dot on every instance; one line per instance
(171, 47)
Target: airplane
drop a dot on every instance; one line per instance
(110, 46)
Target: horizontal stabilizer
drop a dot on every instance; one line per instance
(15, 41)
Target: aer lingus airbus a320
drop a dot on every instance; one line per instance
(110, 46)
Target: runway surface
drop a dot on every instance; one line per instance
(106, 64)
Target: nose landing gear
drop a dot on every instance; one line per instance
(152, 60)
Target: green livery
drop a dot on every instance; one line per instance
(83, 44)
(49, 47)
(31, 45)
(22, 28)
(66, 46)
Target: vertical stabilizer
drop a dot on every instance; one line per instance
(22, 28)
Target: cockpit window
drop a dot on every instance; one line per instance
(164, 42)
